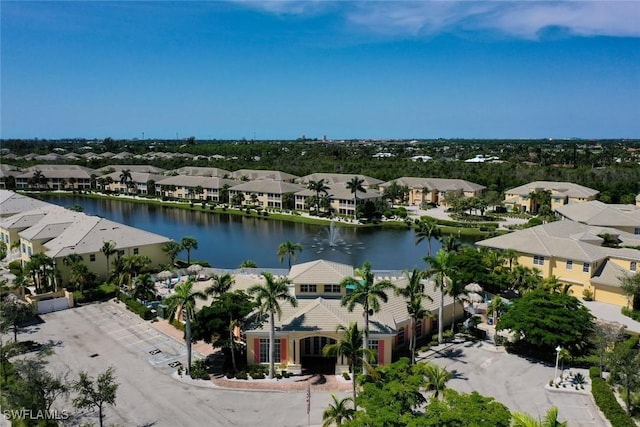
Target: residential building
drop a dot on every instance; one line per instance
(436, 190)
(256, 174)
(562, 193)
(8, 175)
(334, 179)
(12, 203)
(200, 171)
(573, 253)
(622, 217)
(341, 199)
(264, 192)
(56, 177)
(303, 331)
(139, 183)
(193, 186)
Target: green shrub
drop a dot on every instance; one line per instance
(134, 306)
(257, 375)
(346, 376)
(229, 375)
(587, 294)
(242, 376)
(278, 376)
(606, 401)
(634, 314)
(177, 324)
(198, 371)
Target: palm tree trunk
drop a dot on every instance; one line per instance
(272, 344)
(453, 320)
(365, 339)
(233, 354)
(353, 383)
(440, 313)
(412, 341)
(187, 330)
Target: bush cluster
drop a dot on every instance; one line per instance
(634, 314)
(199, 371)
(606, 401)
(140, 309)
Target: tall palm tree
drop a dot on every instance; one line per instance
(450, 243)
(79, 275)
(427, 230)
(364, 291)
(126, 178)
(512, 256)
(267, 297)
(183, 300)
(221, 284)
(108, 249)
(288, 249)
(495, 308)
(319, 187)
(350, 346)
(337, 412)
(414, 294)
(187, 244)
(441, 268)
(456, 290)
(354, 185)
(128, 267)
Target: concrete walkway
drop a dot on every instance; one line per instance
(612, 313)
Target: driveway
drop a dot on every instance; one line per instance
(94, 337)
(612, 313)
(513, 381)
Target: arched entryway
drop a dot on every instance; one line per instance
(311, 355)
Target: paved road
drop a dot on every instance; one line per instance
(94, 337)
(513, 381)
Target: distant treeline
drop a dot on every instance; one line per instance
(610, 166)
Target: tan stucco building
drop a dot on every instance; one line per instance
(562, 193)
(435, 190)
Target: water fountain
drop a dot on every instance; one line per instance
(331, 238)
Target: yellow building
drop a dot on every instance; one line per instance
(573, 253)
(562, 193)
(267, 193)
(193, 187)
(435, 190)
(621, 217)
(303, 331)
(341, 199)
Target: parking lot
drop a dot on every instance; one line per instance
(513, 381)
(93, 337)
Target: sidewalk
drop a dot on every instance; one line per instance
(199, 347)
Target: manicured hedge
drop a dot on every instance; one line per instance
(606, 401)
(140, 309)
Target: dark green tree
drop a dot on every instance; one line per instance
(95, 394)
(288, 250)
(188, 243)
(541, 321)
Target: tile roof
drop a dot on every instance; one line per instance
(200, 171)
(565, 188)
(195, 180)
(267, 186)
(320, 271)
(13, 203)
(255, 174)
(597, 213)
(437, 184)
(338, 178)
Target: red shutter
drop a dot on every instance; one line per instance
(380, 352)
(283, 351)
(256, 351)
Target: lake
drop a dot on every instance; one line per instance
(227, 240)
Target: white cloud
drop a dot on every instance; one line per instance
(522, 19)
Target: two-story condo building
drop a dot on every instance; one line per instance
(562, 193)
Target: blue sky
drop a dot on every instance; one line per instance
(280, 69)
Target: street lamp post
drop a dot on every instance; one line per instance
(555, 375)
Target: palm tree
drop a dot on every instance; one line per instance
(495, 308)
(37, 178)
(456, 290)
(267, 297)
(80, 275)
(365, 292)
(108, 249)
(288, 249)
(441, 267)
(126, 178)
(187, 244)
(221, 284)
(172, 249)
(337, 412)
(183, 300)
(512, 256)
(427, 230)
(319, 187)
(437, 378)
(354, 185)
(450, 243)
(520, 419)
(351, 347)
(128, 267)
(144, 287)
(414, 293)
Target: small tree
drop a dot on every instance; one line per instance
(187, 244)
(624, 363)
(13, 313)
(96, 393)
(288, 250)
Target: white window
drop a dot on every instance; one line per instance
(264, 350)
(633, 265)
(585, 267)
(538, 260)
(308, 288)
(569, 264)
